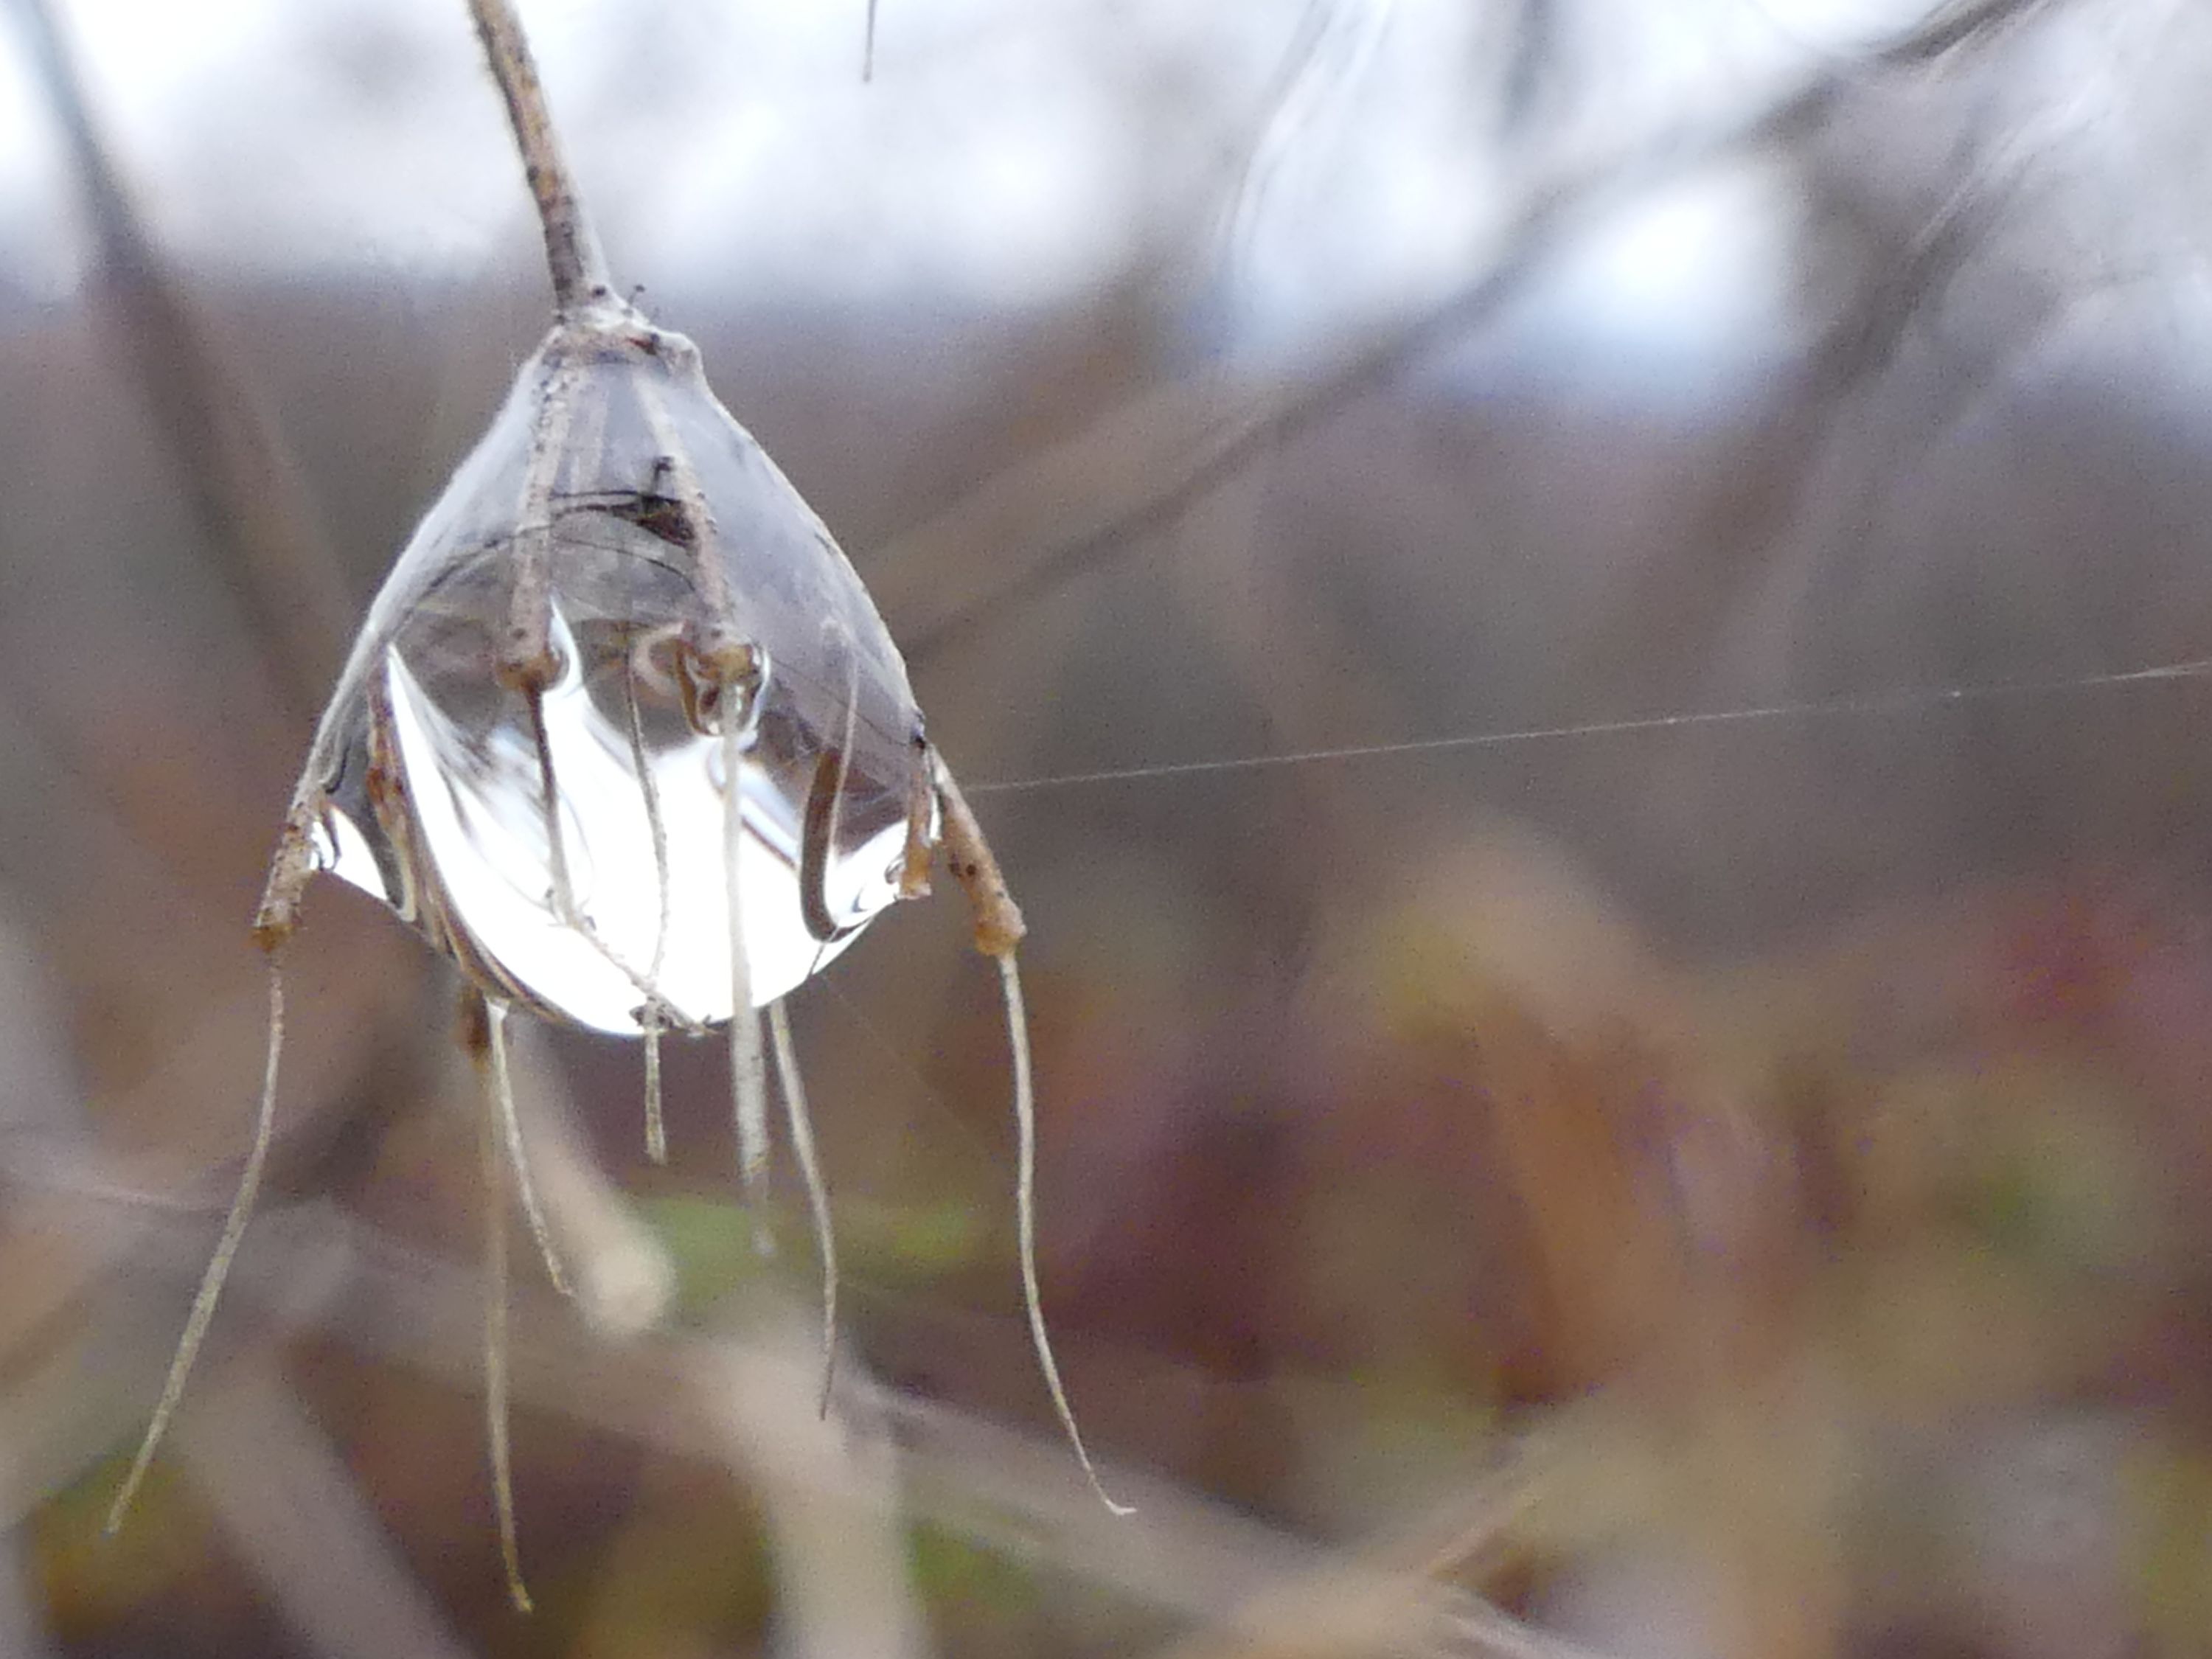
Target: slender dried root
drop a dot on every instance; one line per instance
(748, 1066)
(489, 1142)
(818, 1192)
(510, 1122)
(656, 1128)
(650, 1019)
(998, 930)
(218, 1267)
(1017, 1042)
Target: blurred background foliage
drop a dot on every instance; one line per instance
(1534, 1175)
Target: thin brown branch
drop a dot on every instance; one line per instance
(572, 256)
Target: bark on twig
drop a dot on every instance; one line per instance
(572, 256)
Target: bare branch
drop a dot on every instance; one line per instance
(572, 256)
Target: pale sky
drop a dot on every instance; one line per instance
(1009, 153)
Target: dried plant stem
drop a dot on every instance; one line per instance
(218, 1267)
(1017, 1042)
(651, 1020)
(656, 1123)
(998, 931)
(500, 1082)
(529, 662)
(748, 1067)
(572, 256)
(825, 802)
(999, 924)
(817, 1192)
(494, 1356)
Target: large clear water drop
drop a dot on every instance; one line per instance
(431, 767)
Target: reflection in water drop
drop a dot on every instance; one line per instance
(457, 836)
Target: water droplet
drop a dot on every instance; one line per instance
(596, 470)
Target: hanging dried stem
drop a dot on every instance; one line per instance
(748, 1066)
(1017, 1042)
(653, 1019)
(496, 1348)
(998, 930)
(999, 924)
(500, 1082)
(218, 1267)
(572, 257)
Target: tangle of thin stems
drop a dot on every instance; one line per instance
(218, 1267)
(817, 1192)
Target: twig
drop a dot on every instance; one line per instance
(1001, 1487)
(622, 1277)
(499, 1086)
(496, 1338)
(748, 1060)
(572, 256)
(999, 929)
(218, 1265)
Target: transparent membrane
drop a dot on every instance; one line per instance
(431, 767)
